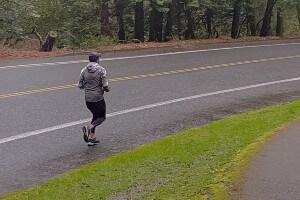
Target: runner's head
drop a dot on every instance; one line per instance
(94, 57)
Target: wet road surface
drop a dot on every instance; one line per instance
(40, 133)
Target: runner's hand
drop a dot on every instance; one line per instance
(106, 89)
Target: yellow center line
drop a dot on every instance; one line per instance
(135, 77)
(165, 73)
(143, 76)
(2, 96)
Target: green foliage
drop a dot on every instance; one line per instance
(99, 41)
(50, 16)
(78, 21)
(291, 12)
(83, 21)
(10, 27)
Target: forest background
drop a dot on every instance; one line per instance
(83, 24)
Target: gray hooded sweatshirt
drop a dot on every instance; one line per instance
(92, 80)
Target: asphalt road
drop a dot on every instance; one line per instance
(40, 133)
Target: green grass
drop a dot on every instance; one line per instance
(194, 164)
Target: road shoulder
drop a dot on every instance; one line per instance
(13, 54)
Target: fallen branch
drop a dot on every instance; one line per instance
(48, 44)
(34, 31)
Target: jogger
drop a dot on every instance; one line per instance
(93, 81)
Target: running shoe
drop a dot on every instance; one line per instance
(93, 142)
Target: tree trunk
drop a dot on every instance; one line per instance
(236, 19)
(298, 12)
(209, 16)
(266, 27)
(178, 18)
(139, 21)
(169, 24)
(251, 19)
(279, 27)
(34, 31)
(49, 42)
(121, 32)
(119, 10)
(156, 26)
(151, 26)
(104, 18)
(189, 32)
(252, 24)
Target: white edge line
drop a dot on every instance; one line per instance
(142, 56)
(62, 126)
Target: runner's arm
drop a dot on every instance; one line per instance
(104, 80)
(81, 83)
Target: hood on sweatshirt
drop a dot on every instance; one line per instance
(92, 67)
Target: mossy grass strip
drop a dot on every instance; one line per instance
(199, 163)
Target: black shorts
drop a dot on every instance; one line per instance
(97, 108)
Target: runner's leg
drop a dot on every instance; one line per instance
(92, 107)
(99, 116)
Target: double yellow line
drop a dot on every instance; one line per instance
(150, 75)
(201, 68)
(37, 91)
